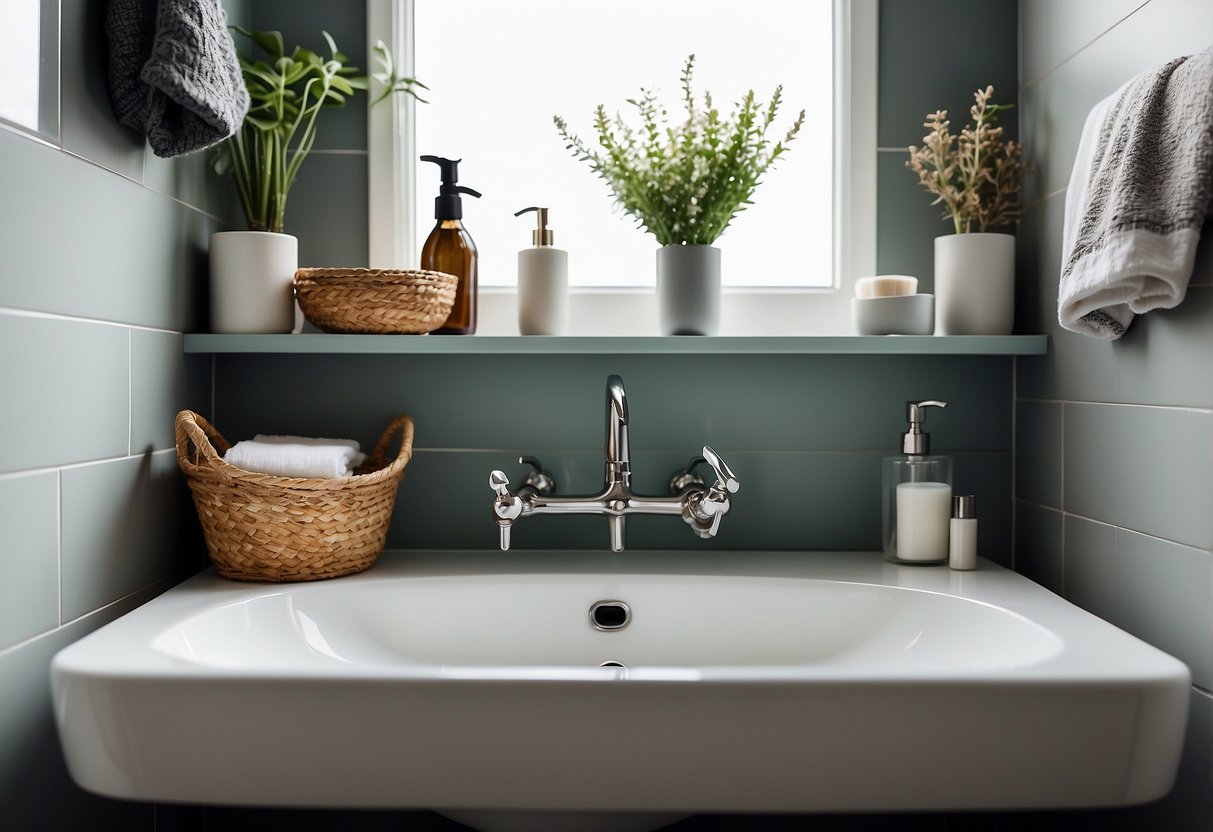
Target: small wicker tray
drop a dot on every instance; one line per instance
(261, 527)
(375, 301)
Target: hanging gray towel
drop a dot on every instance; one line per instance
(1138, 196)
(173, 73)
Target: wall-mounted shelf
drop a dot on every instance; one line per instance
(325, 344)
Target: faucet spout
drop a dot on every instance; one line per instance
(618, 455)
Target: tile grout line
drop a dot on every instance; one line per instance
(60, 148)
(16, 312)
(1061, 475)
(12, 648)
(1176, 407)
(24, 133)
(1035, 81)
(71, 466)
(130, 391)
(59, 539)
(1105, 523)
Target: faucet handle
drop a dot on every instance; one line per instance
(725, 478)
(686, 478)
(540, 478)
(506, 506)
(500, 483)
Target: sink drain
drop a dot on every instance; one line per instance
(613, 664)
(610, 615)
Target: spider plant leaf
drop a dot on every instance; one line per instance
(271, 42)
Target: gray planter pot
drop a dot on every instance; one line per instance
(688, 290)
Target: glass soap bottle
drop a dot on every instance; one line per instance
(917, 495)
(450, 249)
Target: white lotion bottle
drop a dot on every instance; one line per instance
(962, 539)
(917, 496)
(543, 282)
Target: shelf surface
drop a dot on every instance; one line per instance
(327, 344)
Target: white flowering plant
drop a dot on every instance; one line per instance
(684, 182)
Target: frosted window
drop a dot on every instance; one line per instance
(499, 71)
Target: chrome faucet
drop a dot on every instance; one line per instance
(701, 506)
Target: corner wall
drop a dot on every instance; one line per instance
(1114, 440)
(102, 267)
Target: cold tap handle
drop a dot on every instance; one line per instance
(725, 478)
(500, 483)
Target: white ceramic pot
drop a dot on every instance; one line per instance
(974, 284)
(252, 281)
(688, 290)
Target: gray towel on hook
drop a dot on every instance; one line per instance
(1138, 196)
(173, 73)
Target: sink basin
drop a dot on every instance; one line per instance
(737, 682)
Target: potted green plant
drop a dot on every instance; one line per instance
(976, 177)
(684, 183)
(252, 271)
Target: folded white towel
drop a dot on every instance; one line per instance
(285, 459)
(287, 439)
(1137, 198)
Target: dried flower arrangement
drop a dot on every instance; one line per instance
(686, 182)
(976, 175)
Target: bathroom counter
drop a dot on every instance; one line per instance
(328, 344)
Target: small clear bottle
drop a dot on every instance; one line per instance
(917, 496)
(962, 543)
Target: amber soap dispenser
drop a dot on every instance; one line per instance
(450, 249)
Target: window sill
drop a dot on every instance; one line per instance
(326, 344)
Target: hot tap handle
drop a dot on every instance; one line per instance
(725, 478)
(500, 483)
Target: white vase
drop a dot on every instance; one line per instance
(974, 284)
(252, 281)
(688, 290)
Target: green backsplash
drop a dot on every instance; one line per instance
(805, 435)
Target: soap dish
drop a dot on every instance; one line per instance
(895, 315)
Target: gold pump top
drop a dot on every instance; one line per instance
(542, 235)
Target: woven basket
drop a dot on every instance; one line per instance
(375, 301)
(261, 527)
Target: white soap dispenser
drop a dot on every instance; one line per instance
(543, 282)
(917, 495)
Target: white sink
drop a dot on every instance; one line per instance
(752, 682)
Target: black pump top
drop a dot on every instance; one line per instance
(448, 205)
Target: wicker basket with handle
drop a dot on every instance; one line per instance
(261, 527)
(375, 301)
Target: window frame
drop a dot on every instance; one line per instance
(391, 192)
